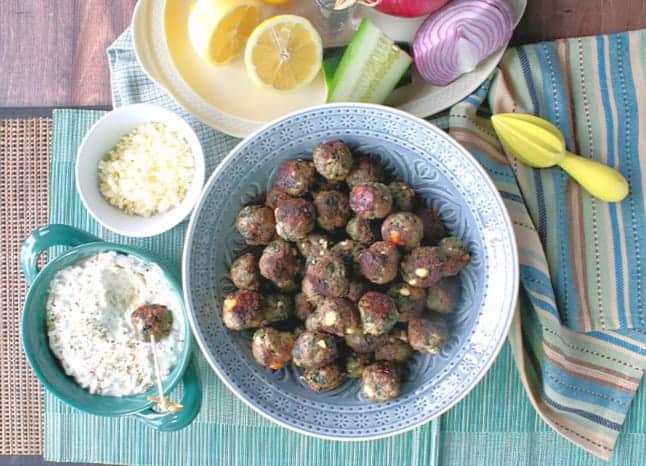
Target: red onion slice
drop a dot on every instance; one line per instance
(453, 40)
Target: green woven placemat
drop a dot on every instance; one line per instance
(226, 432)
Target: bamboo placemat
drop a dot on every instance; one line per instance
(24, 174)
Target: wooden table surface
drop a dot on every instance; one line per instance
(52, 52)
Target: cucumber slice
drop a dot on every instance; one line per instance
(370, 68)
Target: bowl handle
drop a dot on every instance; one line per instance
(192, 401)
(45, 237)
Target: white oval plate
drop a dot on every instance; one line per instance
(163, 49)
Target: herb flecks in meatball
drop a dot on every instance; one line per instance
(409, 300)
(402, 229)
(295, 176)
(323, 379)
(378, 313)
(332, 209)
(327, 275)
(338, 316)
(314, 349)
(434, 229)
(356, 363)
(243, 309)
(422, 266)
(403, 195)
(244, 272)
(256, 224)
(313, 245)
(380, 381)
(295, 218)
(379, 262)
(371, 200)
(348, 250)
(361, 230)
(281, 264)
(365, 170)
(278, 307)
(427, 335)
(456, 256)
(333, 160)
(272, 348)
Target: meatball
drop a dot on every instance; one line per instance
(281, 264)
(371, 200)
(313, 322)
(256, 224)
(378, 313)
(243, 309)
(275, 196)
(302, 307)
(361, 230)
(402, 229)
(332, 209)
(403, 195)
(363, 343)
(423, 266)
(310, 293)
(365, 170)
(323, 379)
(333, 160)
(313, 245)
(443, 296)
(327, 275)
(456, 256)
(348, 250)
(272, 348)
(408, 299)
(379, 262)
(338, 316)
(244, 272)
(394, 350)
(380, 381)
(356, 363)
(314, 349)
(434, 229)
(278, 307)
(295, 176)
(295, 218)
(355, 291)
(427, 335)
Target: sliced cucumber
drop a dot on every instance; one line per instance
(370, 68)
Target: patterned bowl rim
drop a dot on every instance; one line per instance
(195, 326)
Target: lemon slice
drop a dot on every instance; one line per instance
(284, 53)
(219, 28)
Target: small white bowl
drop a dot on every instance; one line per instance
(102, 137)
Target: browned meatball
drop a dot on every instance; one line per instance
(379, 262)
(378, 313)
(380, 381)
(275, 196)
(314, 349)
(278, 307)
(443, 296)
(272, 348)
(256, 224)
(327, 275)
(365, 170)
(371, 200)
(393, 350)
(332, 209)
(313, 322)
(302, 307)
(456, 255)
(361, 230)
(295, 176)
(402, 229)
(280, 263)
(295, 218)
(333, 160)
(313, 245)
(427, 335)
(356, 363)
(338, 316)
(244, 272)
(310, 293)
(403, 195)
(348, 250)
(243, 309)
(409, 300)
(434, 229)
(355, 291)
(363, 343)
(323, 379)
(422, 266)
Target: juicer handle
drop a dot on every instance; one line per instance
(600, 180)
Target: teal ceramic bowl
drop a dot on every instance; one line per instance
(47, 368)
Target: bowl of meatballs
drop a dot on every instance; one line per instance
(350, 271)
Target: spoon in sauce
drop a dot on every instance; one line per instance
(153, 322)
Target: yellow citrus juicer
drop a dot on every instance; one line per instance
(538, 143)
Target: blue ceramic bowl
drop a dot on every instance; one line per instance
(448, 178)
(45, 365)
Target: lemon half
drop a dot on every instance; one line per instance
(219, 28)
(284, 53)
